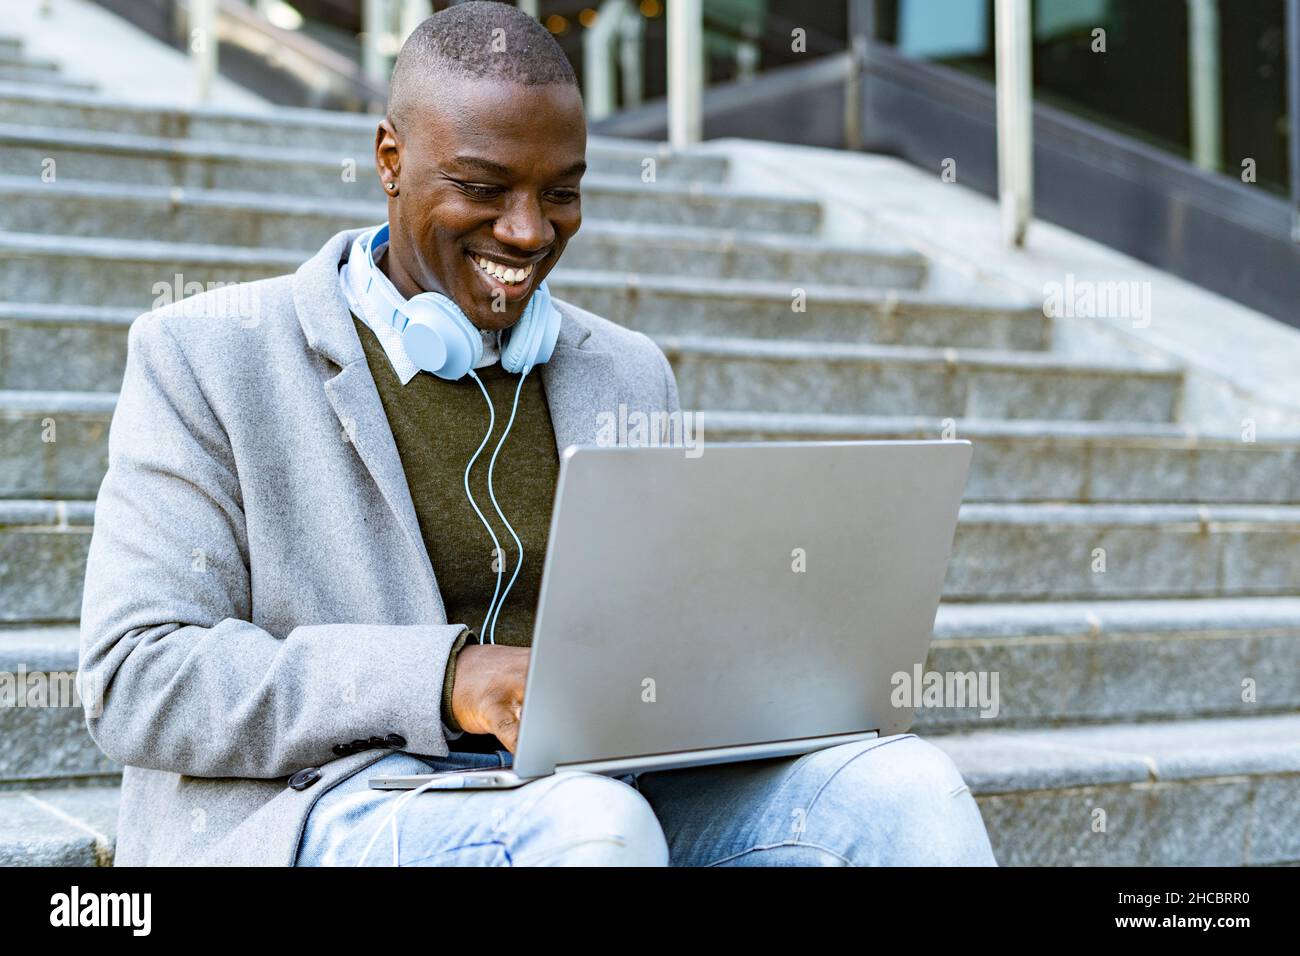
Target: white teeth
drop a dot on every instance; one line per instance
(504, 273)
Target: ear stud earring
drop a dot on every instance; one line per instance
(391, 186)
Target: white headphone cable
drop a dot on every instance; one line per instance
(401, 802)
(491, 494)
(496, 545)
(391, 819)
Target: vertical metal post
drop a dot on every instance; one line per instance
(862, 33)
(529, 7)
(1205, 99)
(1293, 108)
(599, 54)
(685, 72)
(1015, 96)
(414, 12)
(631, 58)
(374, 24)
(203, 46)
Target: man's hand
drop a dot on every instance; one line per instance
(488, 694)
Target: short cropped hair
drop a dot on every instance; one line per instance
(477, 39)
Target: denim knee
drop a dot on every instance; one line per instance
(584, 819)
(899, 800)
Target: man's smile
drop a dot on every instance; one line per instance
(512, 281)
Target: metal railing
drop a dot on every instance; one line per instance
(1293, 110)
(243, 26)
(611, 44)
(202, 44)
(1205, 106)
(685, 72)
(1015, 99)
(385, 25)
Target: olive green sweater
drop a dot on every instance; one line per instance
(437, 425)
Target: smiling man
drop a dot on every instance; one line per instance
(291, 575)
(482, 154)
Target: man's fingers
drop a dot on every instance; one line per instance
(509, 740)
(508, 736)
(507, 729)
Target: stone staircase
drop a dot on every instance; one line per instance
(1120, 692)
(17, 67)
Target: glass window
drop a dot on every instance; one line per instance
(1129, 65)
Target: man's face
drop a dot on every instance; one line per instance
(485, 170)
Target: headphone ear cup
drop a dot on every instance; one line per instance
(424, 346)
(439, 338)
(551, 335)
(532, 340)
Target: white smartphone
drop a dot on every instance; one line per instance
(502, 778)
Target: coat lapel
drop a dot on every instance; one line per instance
(579, 382)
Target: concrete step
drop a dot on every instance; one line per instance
(1220, 792)
(1041, 552)
(74, 826)
(337, 133)
(1002, 553)
(54, 444)
(44, 728)
(43, 547)
(598, 267)
(756, 309)
(133, 273)
(819, 377)
(59, 347)
(1064, 461)
(1182, 793)
(10, 59)
(1014, 461)
(176, 215)
(291, 168)
(1096, 661)
(1054, 663)
(99, 157)
(37, 77)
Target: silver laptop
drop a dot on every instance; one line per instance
(753, 601)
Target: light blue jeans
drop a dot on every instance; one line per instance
(893, 801)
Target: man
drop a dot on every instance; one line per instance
(286, 574)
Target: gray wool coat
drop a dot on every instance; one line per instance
(257, 589)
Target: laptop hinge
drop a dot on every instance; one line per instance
(695, 758)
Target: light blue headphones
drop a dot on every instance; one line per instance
(440, 338)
